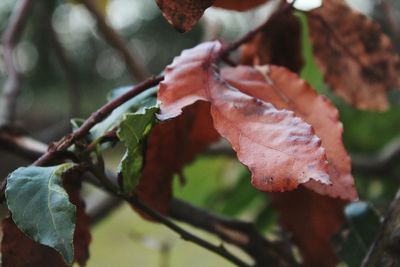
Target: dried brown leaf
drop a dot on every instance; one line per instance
(312, 220)
(280, 149)
(240, 5)
(183, 14)
(279, 43)
(285, 90)
(357, 59)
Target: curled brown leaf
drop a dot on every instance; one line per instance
(285, 90)
(279, 148)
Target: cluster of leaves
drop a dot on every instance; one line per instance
(288, 135)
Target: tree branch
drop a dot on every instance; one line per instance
(241, 234)
(185, 235)
(116, 41)
(11, 89)
(95, 118)
(385, 250)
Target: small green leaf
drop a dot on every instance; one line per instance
(132, 131)
(40, 207)
(144, 99)
(357, 235)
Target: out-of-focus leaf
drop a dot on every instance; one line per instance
(358, 61)
(18, 250)
(132, 131)
(40, 207)
(279, 43)
(312, 220)
(358, 233)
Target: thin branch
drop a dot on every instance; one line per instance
(21, 144)
(385, 250)
(11, 89)
(116, 41)
(241, 234)
(381, 163)
(185, 235)
(95, 118)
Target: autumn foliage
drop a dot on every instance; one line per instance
(286, 133)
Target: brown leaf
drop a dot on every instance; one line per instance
(285, 90)
(279, 43)
(183, 14)
(357, 59)
(82, 236)
(280, 149)
(240, 5)
(18, 250)
(172, 145)
(311, 219)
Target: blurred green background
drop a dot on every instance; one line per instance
(45, 107)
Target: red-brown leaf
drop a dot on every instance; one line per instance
(285, 90)
(240, 5)
(82, 237)
(311, 219)
(357, 59)
(280, 149)
(18, 250)
(183, 14)
(279, 43)
(172, 145)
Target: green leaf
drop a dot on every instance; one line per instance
(132, 131)
(144, 99)
(357, 235)
(40, 207)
